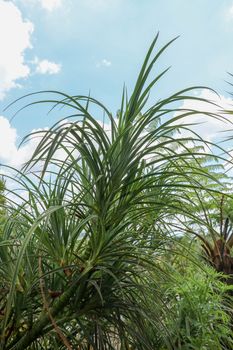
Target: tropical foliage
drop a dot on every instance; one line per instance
(87, 252)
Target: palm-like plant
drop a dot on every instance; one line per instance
(210, 215)
(216, 233)
(78, 254)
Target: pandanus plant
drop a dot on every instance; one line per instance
(210, 221)
(217, 247)
(78, 252)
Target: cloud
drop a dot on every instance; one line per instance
(10, 154)
(104, 63)
(50, 5)
(229, 12)
(209, 128)
(47, 67)
(15, 38)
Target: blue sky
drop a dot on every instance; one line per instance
(78, 46)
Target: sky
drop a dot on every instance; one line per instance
(97, 46)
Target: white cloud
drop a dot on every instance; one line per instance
(7, 139)
(209, 128)
(50, 5)
(15, 36)
(47, 67)
(15, 39)
(229, 12)
(104, 63)
(10, 154)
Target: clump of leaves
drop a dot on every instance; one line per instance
(78, 255)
